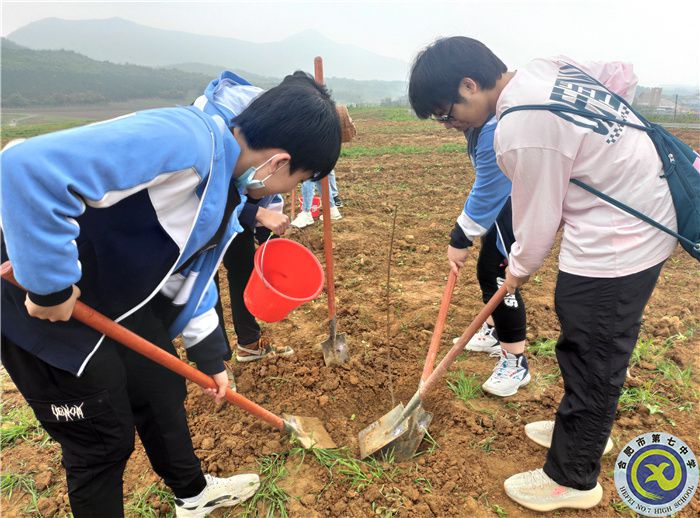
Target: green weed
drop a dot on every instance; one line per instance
(10, 482)
(19, 423)
(543, 347)
(146, 503)
(647, 395)
(270, 494)
(399, 149)
(465, 387)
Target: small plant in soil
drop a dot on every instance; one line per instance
(499, 511)
(424, 484)
(542, 347)
(10, 482)
(432, 445)
(151, 502)
(465, 387)
(270, 497)
(646, 395)
(19, 423)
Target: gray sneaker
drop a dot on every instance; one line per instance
(541, 433)
(536, 491)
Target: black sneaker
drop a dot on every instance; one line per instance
(338, 202)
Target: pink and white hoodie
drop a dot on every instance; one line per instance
(540, 151)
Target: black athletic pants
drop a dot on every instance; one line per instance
(509, 316)
(93, 417)
(238, 261)
(600, 321)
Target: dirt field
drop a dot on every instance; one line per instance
(476, 443)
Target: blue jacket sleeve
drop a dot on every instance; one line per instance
(489, 193)
(47, 182)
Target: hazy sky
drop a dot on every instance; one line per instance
(660, 37)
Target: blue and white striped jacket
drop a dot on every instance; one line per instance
(117, 208)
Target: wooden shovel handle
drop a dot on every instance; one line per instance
(99, 322)
(471, 330)
(439, 325)
(326, 204)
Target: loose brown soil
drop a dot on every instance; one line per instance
(480, 443)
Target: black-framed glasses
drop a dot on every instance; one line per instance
(444, 118)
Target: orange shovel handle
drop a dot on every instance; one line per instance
(326, 204)
(119, 333)
(469, 332)
(439, 326)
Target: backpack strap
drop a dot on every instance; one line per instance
(582, 113)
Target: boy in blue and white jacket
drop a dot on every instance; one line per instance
(133, 215)
(487, 214)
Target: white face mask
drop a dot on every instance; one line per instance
(247, 182)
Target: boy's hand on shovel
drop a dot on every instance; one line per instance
(513, 282)
(58, 313)
(456, 257)
(221, 380)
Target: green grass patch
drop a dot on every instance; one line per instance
(32, 130)
(384, 113)
(11, 482)
(271, 500)
(146, 503)
(400, 149)
(647, 395)
(272, 497)
(543, 348)
(19, 423)
(358, 473)
(465, 387)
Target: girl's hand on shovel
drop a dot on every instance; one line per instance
(513, 282)
(221, 380)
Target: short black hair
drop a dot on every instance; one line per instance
(439, 68)
(299, 116)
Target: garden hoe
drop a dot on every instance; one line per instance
(401, 430)
(309, 431)
(335, 350)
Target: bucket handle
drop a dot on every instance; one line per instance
(262, 262)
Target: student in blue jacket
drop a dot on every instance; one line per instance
(487, 214)
(133, 215)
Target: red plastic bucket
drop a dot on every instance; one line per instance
(285, 275)
(315, 205)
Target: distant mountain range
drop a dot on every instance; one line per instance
(122, 41)
(63, 77)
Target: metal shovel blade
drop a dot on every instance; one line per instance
(309, 431)
(335, 349)
(387, 435)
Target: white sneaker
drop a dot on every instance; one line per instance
(536, 491)
(303, 219)
(219, 492)
(335, 214)
(541, 433)
(509, 374)
(483, 341)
